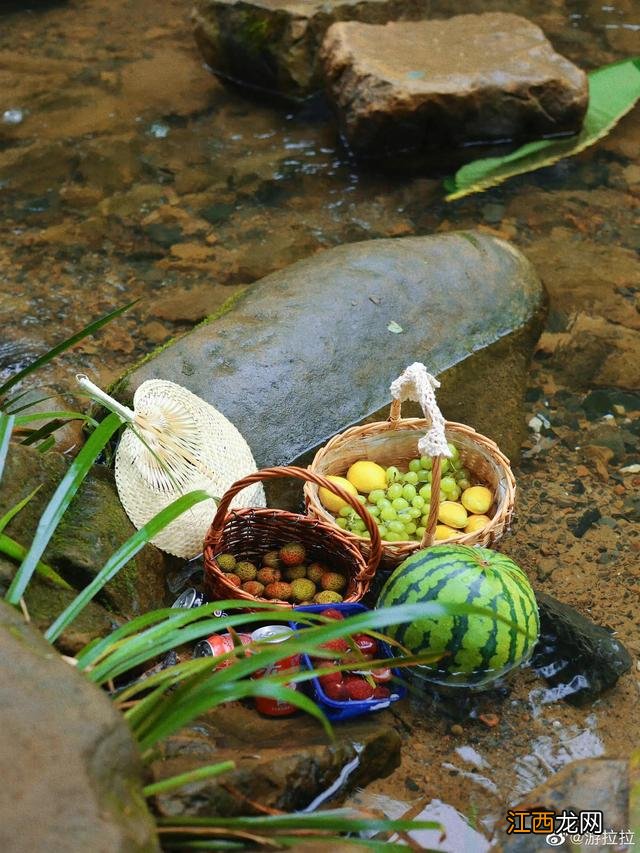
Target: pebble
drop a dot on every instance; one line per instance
(619, 489)
(582, 471)
(490, 720)
(456, 729)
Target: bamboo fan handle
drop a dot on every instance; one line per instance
(217, 526)
(417, 384)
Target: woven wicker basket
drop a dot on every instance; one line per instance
(250, 533)
(394, 442)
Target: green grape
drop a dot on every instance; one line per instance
(358, 525)
(382, 530)
(376, 495)
(393, 537)
(396, 526)
(448, 485)
(342, 522)
(420, 531)
(426, 462)
(455, 493)
(373, 510)
(414, 465)
(444, 466)
(410, 528)
(424, 476)
(411, 477)
(414, 512)
(400, 503)
(383, 502)
(455, 453)
(388, 513)
(409, 492)
(442, 496)
(393, 474)
(361, 499)
(425, 492)
(394, 491)
(365, 534)
(463, 484)
(466, 473)
(425, 519)
(346, 511)
(418, 502)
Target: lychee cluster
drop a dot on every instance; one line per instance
(354, 685)
(285, 575)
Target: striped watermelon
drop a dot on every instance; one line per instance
(480, 648)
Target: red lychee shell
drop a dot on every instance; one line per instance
(383, 674)
(332, 678)
(337, 645)
(332, 613)
(381, 692)
(233, 579)
(357, 688)
(337, 692)
(367, 645)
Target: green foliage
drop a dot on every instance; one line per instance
(613, 91)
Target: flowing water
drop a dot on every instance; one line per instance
(128, 172)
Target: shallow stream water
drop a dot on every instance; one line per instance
(128, 172)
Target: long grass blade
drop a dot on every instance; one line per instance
(125, 552)
(58, 504)
(6, 428)
(336, 820)
(15, 509)
(64, 345)
(10, 548)
(67, 415)
(179, 781)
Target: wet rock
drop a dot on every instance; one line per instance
(306, 351)
(281, 763)
(428, 83)
(93, 527)
(594, 784)
(273, 44)
(74, 770)
(573, 651)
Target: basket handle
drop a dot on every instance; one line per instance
(417, 384)
(217, 526)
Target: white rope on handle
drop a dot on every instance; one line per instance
(417, 384)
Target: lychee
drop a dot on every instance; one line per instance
(226, 562)
(381, 692)
(233, 579)
(268, 575)
(337, 691)
(245, 570)
(292, 554)
(357, 688)
(272, 559)
(278, 589)
(315, 571)
(332, 613)
(327, 596)
(254, 588)
(333, 581)
(295, 572)
(302, 589)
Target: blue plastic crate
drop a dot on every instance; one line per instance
(344, 710)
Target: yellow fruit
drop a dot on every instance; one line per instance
(452, 514)
(476, 522)
(444, 532)
(367, 476)
(332, 502)
(477, 499)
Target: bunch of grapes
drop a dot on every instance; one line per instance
(401, 511)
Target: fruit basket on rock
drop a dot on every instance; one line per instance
(417, 458)
(289, 551)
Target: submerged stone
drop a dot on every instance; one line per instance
(575, 655)
(273, 44)
(472, 78)
(72, 769)
(281, 763)
(307, 351)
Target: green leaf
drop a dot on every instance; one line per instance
(173, 782)
(613, 91)
(125, 552)
(15, 509)
(10, 548)
(62, 415)
(61, 347)
(6, 428)
(59, 502)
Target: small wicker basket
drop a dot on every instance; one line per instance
(395, 442)
(252, 532)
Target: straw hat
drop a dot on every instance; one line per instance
(176, 442)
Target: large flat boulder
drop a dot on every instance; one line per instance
(273, 44)
(472, 78)
(71, 769)
(307, 351)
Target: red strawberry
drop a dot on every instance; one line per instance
(332, 613)
(332, 678)
(381, 674)
(337, 645)
(367, 645)
(381, 693)
(337, 692)
(357, 688)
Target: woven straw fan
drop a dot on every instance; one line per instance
(175, 443)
